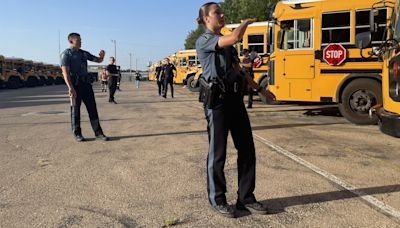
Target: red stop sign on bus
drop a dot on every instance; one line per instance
(334, 54)
(257, 62)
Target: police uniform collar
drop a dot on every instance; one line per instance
(208, 31)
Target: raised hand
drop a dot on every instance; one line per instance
(102, 54)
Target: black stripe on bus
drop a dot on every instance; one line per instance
(262, 71)
(351, 71)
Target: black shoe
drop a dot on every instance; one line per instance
(102, 137)
(79, 138)
(249, 106)
(114, 102)
(164, 96)
(225, 210)
(254, 208)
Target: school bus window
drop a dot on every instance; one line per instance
(256, 43)
(183, 62)
(304, 33)
(298, 34)
(362, 24)
(336, 28)
(192, 60)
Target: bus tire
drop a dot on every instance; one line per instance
(12, 83)
(42, 81)
(49, 81)
(357, 98)
(31, 82)
(192, 84)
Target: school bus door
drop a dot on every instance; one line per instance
(297, 58)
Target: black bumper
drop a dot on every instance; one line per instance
(389, 123)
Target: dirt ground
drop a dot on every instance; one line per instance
(154, 168)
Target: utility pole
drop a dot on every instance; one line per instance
(59, 44)
(115, 50)
(130, 63)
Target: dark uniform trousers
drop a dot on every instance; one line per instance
(169, 81)
(230, 115)
(113, 82)
(160, 85)
(84, 92)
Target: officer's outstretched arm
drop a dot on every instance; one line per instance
(236, 35)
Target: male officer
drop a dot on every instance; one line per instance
(113, 76)
(168, 71)
(247, 64)
(74, 68)
(160, 80)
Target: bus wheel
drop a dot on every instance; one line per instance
(192, 84)
(358, 97)
(50, 81)
(31, 82)
(12, 83)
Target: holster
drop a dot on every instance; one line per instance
(211, 93)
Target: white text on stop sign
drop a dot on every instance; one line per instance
(334, 54)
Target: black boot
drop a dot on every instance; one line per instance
(76, 123)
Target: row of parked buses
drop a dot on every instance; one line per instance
(187, 66)
(328, 51)
(16, 73)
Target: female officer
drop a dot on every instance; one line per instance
(227, 112)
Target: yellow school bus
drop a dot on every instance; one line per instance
(25, 68)
(9, 77)
(301, 67)
(254, 39)
(57, 72)
(389, 112)
(186, 64)
(40, 71)
(152, 72)
(48, 71)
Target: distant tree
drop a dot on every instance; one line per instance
(190, 42)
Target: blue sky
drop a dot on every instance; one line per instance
(149, 29)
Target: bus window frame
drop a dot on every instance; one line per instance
(256, 44)
(281, 35)
(376, 43)
(337, 28)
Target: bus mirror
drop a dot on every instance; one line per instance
(373, 26)
(363, 40)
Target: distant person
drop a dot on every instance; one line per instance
(247, 65)
(119, 78)
(137, 79)
(76, 76)
(168, 71)
(103, 78)
(160, 80)
(112, 74)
